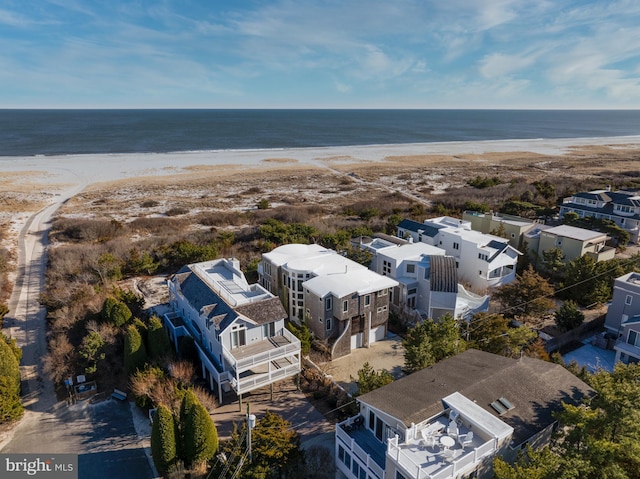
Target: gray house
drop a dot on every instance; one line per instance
(452, 419)
(623, 317)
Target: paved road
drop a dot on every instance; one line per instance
(103, 434)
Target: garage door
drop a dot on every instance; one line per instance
(357, 340)
(377, 334)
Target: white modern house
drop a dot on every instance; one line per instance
(341, 301)
(622, 207)
(623, 318)
(451, 420)
(483, 261)
(427, 278)
(238, 328)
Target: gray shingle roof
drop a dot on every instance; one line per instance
(536, 388)
(263, 312)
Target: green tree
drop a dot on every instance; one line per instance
(596, 440)
(568, 316)
(276, 447)
(109, 268)
(115, 312)
(589, 282)
(163, 440)
(492, 333)
(10, 401)
(429, 342)
(359, 255)
(158, 340)
(140, 263)
(552, 263)
(370, 379)
(91, 351)
(571, 217)
(528, 295)
(303, 333)
(198, 432)
(542, 464)
(135, 354)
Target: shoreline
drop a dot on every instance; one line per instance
(75, 169)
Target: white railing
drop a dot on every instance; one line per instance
(449, 470)
(258, 380)
(276, 353)
(484, 449)
(354, 449)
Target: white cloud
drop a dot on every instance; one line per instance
(499, 64)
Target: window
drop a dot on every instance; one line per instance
(372, 420)
(628, 299)
(367, 300)
(382, 309)
(456, 245)
(382, 292)
(411, 268)
(300, 285)
(412, 291)
(483, 256)
(328, 304)
(386, 267)
(513, 235)
(479, 272)
(345, 306)
(633, 338)
(341, 453)
(328, 324)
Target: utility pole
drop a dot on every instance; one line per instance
(251, 423)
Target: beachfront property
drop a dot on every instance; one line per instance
(342, 302)
(238, 328)
(513, 227)
(483, 261)
(573, 242)
(427, 278)
(452, 419)
(623, 317)
(622, 207)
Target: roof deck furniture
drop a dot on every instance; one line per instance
(447, 441)
(452, 429)
(466, 440)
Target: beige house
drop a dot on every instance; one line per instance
(574, 242)
(514, 227)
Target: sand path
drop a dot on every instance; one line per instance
(26, 322)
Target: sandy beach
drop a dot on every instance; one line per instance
(31, 183)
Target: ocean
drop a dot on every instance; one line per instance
(67, 132)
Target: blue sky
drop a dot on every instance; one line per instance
(319, 54)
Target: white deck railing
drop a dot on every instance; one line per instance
(473, 457)
(355, 450)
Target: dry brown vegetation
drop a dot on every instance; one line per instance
(102, 235)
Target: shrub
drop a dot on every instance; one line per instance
(163, 440)
(158, 341)
(135, 354)
(10, 401)
(303, 333)
(199, 434)
(568, 316)
(91, 350)
(115, 312)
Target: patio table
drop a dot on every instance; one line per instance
(447, 441)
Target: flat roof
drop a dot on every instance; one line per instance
(573, 232)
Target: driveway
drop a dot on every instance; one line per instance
(102, 434)
(387, 354)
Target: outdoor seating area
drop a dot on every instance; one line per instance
(446, 443)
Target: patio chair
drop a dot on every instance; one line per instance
(452, 429)
(427, 438)
(466, 439)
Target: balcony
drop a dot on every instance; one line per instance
(361, 445)
(250, 367)
(263, 362)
